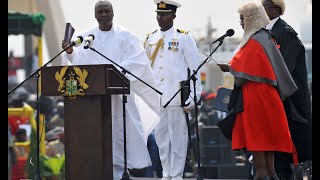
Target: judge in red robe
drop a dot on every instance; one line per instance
(260, 72)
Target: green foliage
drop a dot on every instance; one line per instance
(49, 166)
(52, 165)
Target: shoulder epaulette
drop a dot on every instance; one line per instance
(151, 33)
(182, 31)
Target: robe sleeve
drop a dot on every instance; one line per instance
(136, 61)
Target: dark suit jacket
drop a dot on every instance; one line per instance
(298, 105)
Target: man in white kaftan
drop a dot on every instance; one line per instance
(142, 107)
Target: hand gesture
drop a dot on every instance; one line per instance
(190, 103)
(64, 45)
(224, 67)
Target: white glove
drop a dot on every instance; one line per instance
(190, 103)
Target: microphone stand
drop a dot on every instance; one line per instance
(125, 175)
(36, 73)
(190, 142)
(184, 96)
(193, 77)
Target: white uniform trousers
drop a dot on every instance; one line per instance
(172, 139)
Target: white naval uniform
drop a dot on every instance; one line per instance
(142, 107)
(170, 67)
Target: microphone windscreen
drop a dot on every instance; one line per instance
(230, 32)
(80, 38)
(91, 36)
(77, 42)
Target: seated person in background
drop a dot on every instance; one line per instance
(21, 149)
(21, 135)
(58, 119)
(21, 144)
(17, 100)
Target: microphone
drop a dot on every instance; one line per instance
(76, 42)
(88, 41)
(229, 33)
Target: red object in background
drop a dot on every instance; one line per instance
(14, 63)
(211, 96)
(14, 122)
(18, 169)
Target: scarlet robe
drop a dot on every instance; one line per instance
(262, 125)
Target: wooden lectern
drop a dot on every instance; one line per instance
(88, 122)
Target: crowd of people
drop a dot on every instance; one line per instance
(270, 109)
(21, 137)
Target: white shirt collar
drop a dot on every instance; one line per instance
(111, 30)
(272, 22)
(169, 31)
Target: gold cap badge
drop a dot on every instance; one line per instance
(162, 5)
